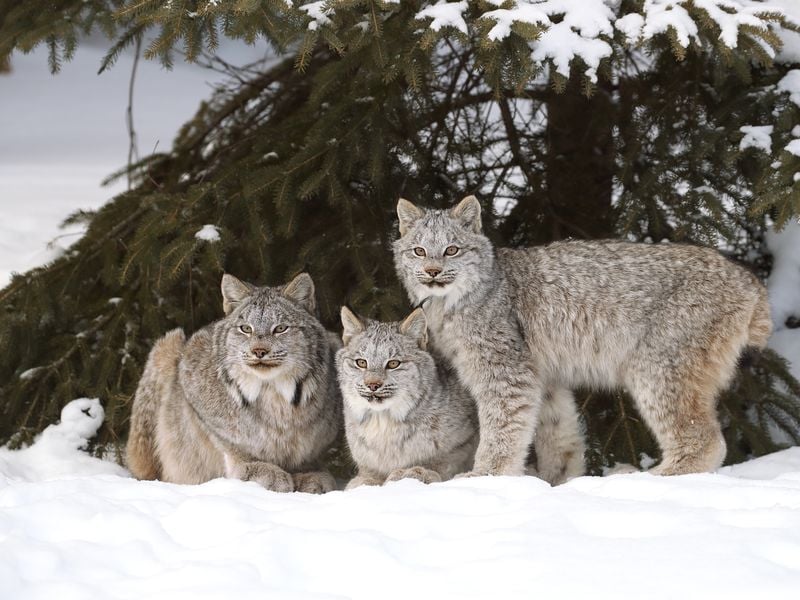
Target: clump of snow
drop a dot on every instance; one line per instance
(57, 452)
(790, 83)
(784, 292)
(756, 136)
(318, 13)
(793, 147)
(445, 14)
(209, 233)
(790, 53)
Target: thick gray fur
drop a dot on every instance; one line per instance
(260, 404)
(415, 420)
(666, 322)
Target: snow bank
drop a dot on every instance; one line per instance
(57, 450)
(96, 534)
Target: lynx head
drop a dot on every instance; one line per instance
(442, 252)
(384, 366)
(269, 333)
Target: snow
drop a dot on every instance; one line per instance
(793, 147)
(756, 136)
(790, 83)
(318, 13)
(784, 292)
(72, 526)
(209, 233)
(445, 14)
(790, 53)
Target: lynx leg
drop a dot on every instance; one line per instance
(683, 418)
(268, 475)
(559, 441)
(315, 482)
(159, 374)
(678, 399)
(507, 417)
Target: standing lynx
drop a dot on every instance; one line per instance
(251, 396)
(665, 322)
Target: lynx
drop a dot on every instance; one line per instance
(407, 415)
(666, 322)
(403, 415)
(252, 396)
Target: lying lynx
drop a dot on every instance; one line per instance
(666, 322)
(251, 396)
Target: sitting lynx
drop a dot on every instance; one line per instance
(403, 416)
(666, 322)
(251, 396)
(407, 415)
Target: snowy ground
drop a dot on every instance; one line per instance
(72, 527)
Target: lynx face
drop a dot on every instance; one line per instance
(441, 252)
(268, 332)
(384, 366)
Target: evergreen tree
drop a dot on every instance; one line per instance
(568, 118)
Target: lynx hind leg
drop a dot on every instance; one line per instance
(419, 473)
(559, 441)
(680, 409)
(315, 482)
(141, 456)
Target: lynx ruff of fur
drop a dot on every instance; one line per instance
(409, 420)
(665, 322)
(244, 397)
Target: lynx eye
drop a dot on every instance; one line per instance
(392, 364)
(419, 251)
(246, 329)
(451, 250)
(361, 363)
(280, 329)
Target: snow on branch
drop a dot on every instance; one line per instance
(585, 29)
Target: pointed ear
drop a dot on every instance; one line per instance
(351, 325)
(408, 214)
(301, 290)
(234, 292)
(416, 326)
(468, 211)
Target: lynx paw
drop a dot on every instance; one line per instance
(419, 473)
(360, 480)
(317, 482)
(267, 475)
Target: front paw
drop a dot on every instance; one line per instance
(318, 482)
(268, 476)
(419, 473)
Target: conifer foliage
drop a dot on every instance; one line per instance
(568, 118)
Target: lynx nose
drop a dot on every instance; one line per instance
(373, 386)
(433, 271)
(259, 352)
